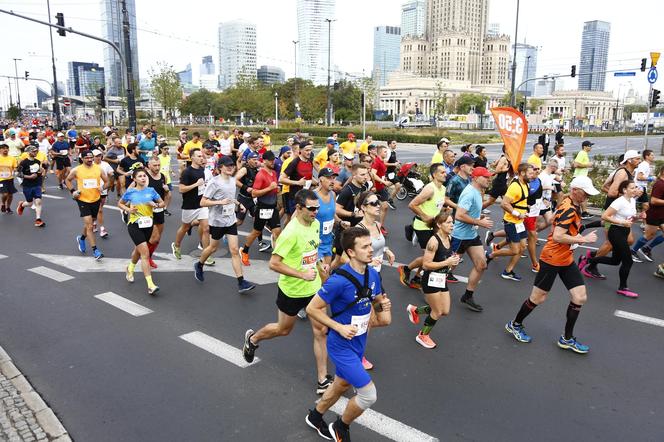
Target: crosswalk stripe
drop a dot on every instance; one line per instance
(50, 273)
(217, 348)
(53, 197)
(123, 304)
(639, 318)
(3, 256)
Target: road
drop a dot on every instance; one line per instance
(111, 375)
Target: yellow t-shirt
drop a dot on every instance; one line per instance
(364, 148)
(191, 145)
(267, 141)
(7, 166)
(518, 194)
(165, 166)
(581, 158)
(437, 157)
(535, 160)
(41, 157)
(320, 159)
(88, 182)
(348, 147)
(285, 188)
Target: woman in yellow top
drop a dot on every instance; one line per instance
(8, 165)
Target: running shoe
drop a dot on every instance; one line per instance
(153, 290)
(488, 237)
(152, 263)
(415, 283)
(176, 251)
(319, 425)
(104, 233)
(20, 209)
(518, 332)
(129, 276)
(245, 286)
(390, 203)
(198, 271)
(366, 364)
(646, 252)
(94, 227)
(535, 268)
(384, 231)
(39, 223)
(404, 275)
(322, 386)
(451, 278)
(245, 258)
(583, 262)
(80, 243)
(590, 272)
(659, 273)
(167, 213)
(210, 261)
(414, 241)
(586, 215)
(264, 246)
(338, 432)
(97, 254)
(572, 344)
(3, 209)
(248, 349)
(302, 314)
(199, 246)
(487, 256)
(635, 257)
(510, 275)
(9, 211)
(627, 293)
(425, 341)
(472, 305)
(413, 316)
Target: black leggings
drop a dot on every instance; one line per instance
(621, 253)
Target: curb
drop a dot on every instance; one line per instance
(44, 414)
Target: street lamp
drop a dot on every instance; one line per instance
(516, 31)
(18, 91)
(295, 42)
(329, 47)
(276, 110)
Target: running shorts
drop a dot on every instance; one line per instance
(273, 222)
(218, 232)
(512, 235)
(531, 223)
(32, 192)
(423, 237)
(460, 246)
(7, 186)
(191, 215)
(348, 366)
(62, 162)
(290, 306)
(570, 275)
(88, 209)
(139, 234)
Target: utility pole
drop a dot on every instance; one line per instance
(329, 47)
(18, 91)
(516, 32)
(11, 100)
(131, 100)
(295, 42)
(56, 101)
(645, 133)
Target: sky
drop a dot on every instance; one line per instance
(185, 33)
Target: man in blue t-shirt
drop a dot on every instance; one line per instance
(351, 304)
(147, 146)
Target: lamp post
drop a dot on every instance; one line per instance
(56, 104)
(329, 47)
(295, 42)
(18, 91)
(276, 110)
(516, 31)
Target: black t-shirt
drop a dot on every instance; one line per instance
(29, 166)
(296, 170)
(158, 185)
(480, 162)
(392, 159)
(346, 198)
(214, 144)
(126, 164)
(192, 200)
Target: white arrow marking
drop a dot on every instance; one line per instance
(52, 197)
(217, 348)
(3, 256)
(123, 304)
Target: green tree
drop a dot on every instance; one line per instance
(166, 87)
(440, 99)
(467, 102)
(632, 108)
(346, 101)
(13, 112)
(534, 105)
(507, 99)
(199, 103)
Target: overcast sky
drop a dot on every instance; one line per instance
(184, 33)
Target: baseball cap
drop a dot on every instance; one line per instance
(481, 171)
(225, 161)
(444, 140)
(252, 155)
(31, 148)
(268, 156)
(587, 143)
(284, 149)
(96, 152)
(465, 160)
(60, 134)
(351, 134)
(330, 141)
(630, 154)
(246, 135)
(327, 172)
(584, 183)
(12, 132)
(349, 156)
(267, 129)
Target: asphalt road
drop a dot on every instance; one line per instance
(111, 376)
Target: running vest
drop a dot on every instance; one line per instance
(248, 181)
(431, 207)
(88, 182)
(442, 253)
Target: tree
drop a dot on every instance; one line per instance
(440, 99)
(466, 103)
(632, 108)
(13, 112)
(507, 99)
(534, 105)
(166, 87)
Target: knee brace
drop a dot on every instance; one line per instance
(366, 396)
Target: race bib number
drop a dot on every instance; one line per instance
(144, 221)
(520, 227)
(361, 322)
(265, 213)
(328, 226)
(437, 280)
(228, 210)
(309, 259)
(157, 210)
(34, 168)
(90, 183)
(307, 184)
(440, 204)
(535, 208)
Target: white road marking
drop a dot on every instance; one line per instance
(123, 304)
(52, 197)
(580, 246)
(639, 318)
(385, 426)
(50, 273)
(217, 348)
(107, 206)
(3, 256)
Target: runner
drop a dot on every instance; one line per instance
(147, 147)
(139, 202)
(8, 165)
(125, 169)
(643, 176)
(437, 261)
(557, 259)
(382, 185)
(582, 164)
(441, 148)
(654, 220)
(346, 210)
(352, 293)
(295, 258)
(90, 179)
(60, 151)
(501, 168)
(349, 147)
(32, 170)
(326, 217)
(244, 180)
(393, 166)
(157, 181)
(285, 188)
(219, 197)
(559, 156)
(114, 155)
(459, 181)
(108, 170)
(298, 173)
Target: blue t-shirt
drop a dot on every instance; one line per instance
(338, 292)
(72, 134)
(140, 199)
(147, 144)
(60, 146)
(471, 200)
(343, 176)
(455, 187)
(325, 217)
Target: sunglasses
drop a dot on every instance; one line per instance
(312, 208)
(374, 203)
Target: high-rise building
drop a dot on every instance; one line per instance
(185, 75)
(495, 61)
(493, 30)
(237, 52)
(208, 77)
(546, 86)
(270, 75)
(84, 78)
(386, 49)
(526, 67)
(313, 40)
(111, 11)
(414, 18)
(207, 65)
(594, 55)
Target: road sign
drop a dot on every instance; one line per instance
(652, 75)
(624, 74)
(654, 56)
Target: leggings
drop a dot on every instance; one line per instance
(621, 253)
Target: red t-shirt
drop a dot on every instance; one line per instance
(380, 168)
(655, 213)
(263, 180)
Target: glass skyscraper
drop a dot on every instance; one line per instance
(111, 11)
(237, 52)
(413, 18)
(386, 50)
(312, 37)
(594, 55)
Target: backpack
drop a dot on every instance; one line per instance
(362, 291)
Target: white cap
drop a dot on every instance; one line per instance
(630, 154)
(246, 135)
(584, 183)
(445, 140)
(60, 134)
(96, 152)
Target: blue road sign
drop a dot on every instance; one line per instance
(652, 75)
(624, 74)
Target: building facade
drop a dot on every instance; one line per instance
(313, 39)
(270, 75)
(386, 50)
(84, 78)
(526, 67)
(594, 55)
(237, 52)
(414, 18)
(582, 108)
(111, 11)
(186, 75)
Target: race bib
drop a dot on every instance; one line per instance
(309, 259)
(120, 157)
(144, 221)
(328, 226)
(440, 204)
(437, 280)
(361, 322)
(307, 184)
(34, 168)
(265, 213)
(535, 208)
(90, 183)
(390, 176)
(5, 174)
(228, 210)
(520, 227)
(157, 210)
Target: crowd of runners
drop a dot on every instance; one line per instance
(322, 219)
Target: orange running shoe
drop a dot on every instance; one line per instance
(425, 341)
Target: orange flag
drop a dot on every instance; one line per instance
(513, 129)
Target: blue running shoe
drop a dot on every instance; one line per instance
(518, 332)
(572, 344)
(198, 271)
(97, 254)
(245, 286)
(80, 242)
(510, 275)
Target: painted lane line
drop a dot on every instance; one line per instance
(52, 197)
(107, 206)
(50, 273)
(217, 348)
(385, 426)
(123, 304)
(639, 318)
(580, 246)
(3, 256)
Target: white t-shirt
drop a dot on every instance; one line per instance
(225, 146)
(547, 181)
(625, 209)
(242, 148)
(645, 169)
(108, 170)
(44, 146)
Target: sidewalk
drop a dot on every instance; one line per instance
(23, 414)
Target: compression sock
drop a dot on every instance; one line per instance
(83, 237)
(526, 308)
(94, 247)
(148, 279)
(467, 295)
(245, 248)
(572, 314)
(429, 322)
(639, 243)
(131, 267)
(423, 309)
(151, 248)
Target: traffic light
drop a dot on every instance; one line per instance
(573, 71)
(101, 96)
(522, 107)
(60, 21)
(655, 98)
(643, 64)
(27, 74)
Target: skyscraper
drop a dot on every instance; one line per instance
(594, 55)
(84, 78)
(526, 67)
(312, 33)
(186, 76)
(270, 75)
(386, 49)
(414, 18)
(111, 11)
(208, 77)
(237, 52)
(207, 65)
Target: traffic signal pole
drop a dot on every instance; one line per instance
(645, 132)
